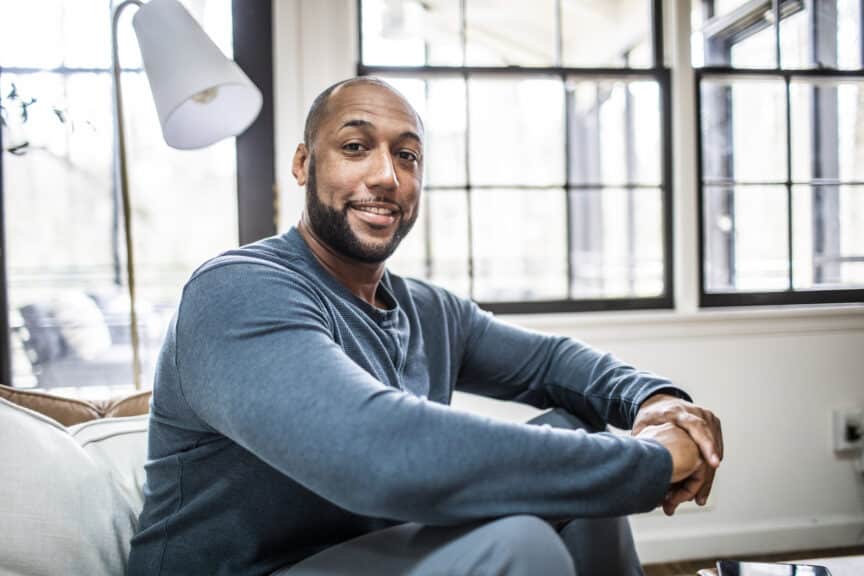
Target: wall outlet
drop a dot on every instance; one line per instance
(848, 429)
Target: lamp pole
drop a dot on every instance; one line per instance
(123, 181)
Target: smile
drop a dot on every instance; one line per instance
(375, 214)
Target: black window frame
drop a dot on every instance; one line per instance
(658, 73)
(730, 26)
(255, 152)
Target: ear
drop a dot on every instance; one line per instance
(300, 164)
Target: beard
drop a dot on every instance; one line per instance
(331, 227)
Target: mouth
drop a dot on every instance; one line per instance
(376, 214)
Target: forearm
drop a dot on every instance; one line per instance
(512, 363)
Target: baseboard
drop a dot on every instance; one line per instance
(755, 538)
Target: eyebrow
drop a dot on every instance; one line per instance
(365, 124)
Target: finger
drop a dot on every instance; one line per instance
(675, 498)
(701, 433)
(717, 427)
(686, 490)
(705, 490)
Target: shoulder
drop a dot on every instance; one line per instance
(249, 278)
(259, 257)
(432, 299)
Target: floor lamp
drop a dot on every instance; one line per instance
(201, 97)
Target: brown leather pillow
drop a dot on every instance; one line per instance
(69, 411)
(132, 405)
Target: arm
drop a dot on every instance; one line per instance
(511, 363)
(266, 372)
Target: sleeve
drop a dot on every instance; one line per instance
(510, 363)
(259, 365)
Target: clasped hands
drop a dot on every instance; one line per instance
(694, 439)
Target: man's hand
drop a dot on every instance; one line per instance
(688, 469)
(702, 426)
(685, 453)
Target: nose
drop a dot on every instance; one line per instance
(382, 171)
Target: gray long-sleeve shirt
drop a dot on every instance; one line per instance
(288, 415)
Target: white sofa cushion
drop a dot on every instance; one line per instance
(120, 446)
(64, 508)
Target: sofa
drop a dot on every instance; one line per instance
(72, 474)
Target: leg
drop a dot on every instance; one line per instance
(598, 546)
(601, 546)
(510, 546)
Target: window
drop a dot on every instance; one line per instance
(780, 96)
(64, 251)
(564, 206)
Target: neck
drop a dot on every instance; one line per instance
(361, 278)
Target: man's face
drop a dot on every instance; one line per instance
(364, 173)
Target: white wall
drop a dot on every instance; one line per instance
(774, 378)
(773, 375)
(314, 45)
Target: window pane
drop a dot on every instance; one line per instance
(517, 131)
(87, 38)
(520, 244)
(448, 238)
(733, 33)
(510, 33)
(441, 105)
(795, 46)
(411, 33)
(410, 258)
(58, 233)
(614, 132)
(849, 24)
(744, 130)
(828, 130)
(722, 7)
(598, 33)
(746, 233)
(32, 33)
(758, 50)
(829, 238)
(836, 24)
(617, 242)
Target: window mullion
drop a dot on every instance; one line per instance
(5, 344)
(789, 203)
(568, 177)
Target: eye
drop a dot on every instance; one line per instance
(353, 147)
(408, 155)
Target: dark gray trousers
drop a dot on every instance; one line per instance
(518, 545)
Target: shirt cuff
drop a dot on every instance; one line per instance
(668, 390)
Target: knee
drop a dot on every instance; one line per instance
(531, 546)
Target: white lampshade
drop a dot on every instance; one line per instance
(201, 96)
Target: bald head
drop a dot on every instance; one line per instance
(319, 109)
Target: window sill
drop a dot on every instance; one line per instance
(709, 322)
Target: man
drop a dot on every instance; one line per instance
(300, 420)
